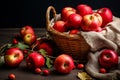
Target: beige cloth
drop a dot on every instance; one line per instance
(108, 38)
(92, 68)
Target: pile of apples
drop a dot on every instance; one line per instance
(37, 53)
(26, 45)
(84, 18)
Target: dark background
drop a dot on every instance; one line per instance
(18, 13)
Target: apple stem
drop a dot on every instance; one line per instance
(2, 49)
(50, 56)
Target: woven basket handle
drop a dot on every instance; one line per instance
(49, 9)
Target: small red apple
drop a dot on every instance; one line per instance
(80, 66)
(74, 21)
(13, 57)
(60, 26)
(25, 51)
(108, 58)
(11, 76)
(106, 14)
(66, 12)
(29, 38)
(46, 72)
(15, 41)
(74, 31)
(64, 64)
(35, 60)
(84, 9)
(102, 70)
(38, 70)
(91, 22)
(26, 30)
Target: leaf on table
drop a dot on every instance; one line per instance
(84, 76)
(21, 45)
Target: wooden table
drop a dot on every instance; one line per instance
(21, 72)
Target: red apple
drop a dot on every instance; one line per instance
(108, 59)
(106, 14)
(91, 22)
(80, 66)
(26, 29)
(84, 9)
(35, 60)
(46, 72)
(60, 26)
(38, 70)
(47, 47)
(74, 21)
(15, 41)
(102, 70)
(64, 64)
(66, 12)
(29, 38)
(11, 76)
(13, 57)
(74, 31)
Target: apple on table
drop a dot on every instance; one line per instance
(35, 60)
(26, 29)
(29, 38)
(13, 57)
(64, 64)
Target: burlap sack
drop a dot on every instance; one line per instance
(109, 38)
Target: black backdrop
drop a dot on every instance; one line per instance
(18, 13)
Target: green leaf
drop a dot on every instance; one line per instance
(21, 45)
(49, 62)
(43, 52)
(2, 60)
(9, 45)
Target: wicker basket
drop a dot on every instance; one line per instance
(74, 45)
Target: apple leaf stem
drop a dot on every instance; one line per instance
(49, 61)
(2, 49)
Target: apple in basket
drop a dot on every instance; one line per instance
(91, 22)
(35, 60)
(64, 64)
(108, 58)
(60, 26)
(84, 9)
(74, 21)
(74, 31)
(66, 12)
(13, 57)
(25, 30)
(106, 14)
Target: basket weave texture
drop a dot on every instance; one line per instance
(74, 45)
